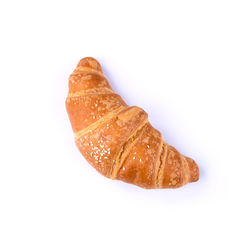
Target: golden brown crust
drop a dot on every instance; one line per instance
(101, 144)
(117, 140)
(126, 148)
(139, 167)
(162, 160)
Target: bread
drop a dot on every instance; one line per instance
(117, 139)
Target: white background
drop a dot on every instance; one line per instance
(185, 62)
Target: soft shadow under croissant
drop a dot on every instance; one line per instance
(117, 139)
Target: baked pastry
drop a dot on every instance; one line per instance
(117, 139)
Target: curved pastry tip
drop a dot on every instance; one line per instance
(194, 170)
(89, 62)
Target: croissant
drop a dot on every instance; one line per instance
(117, 139)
